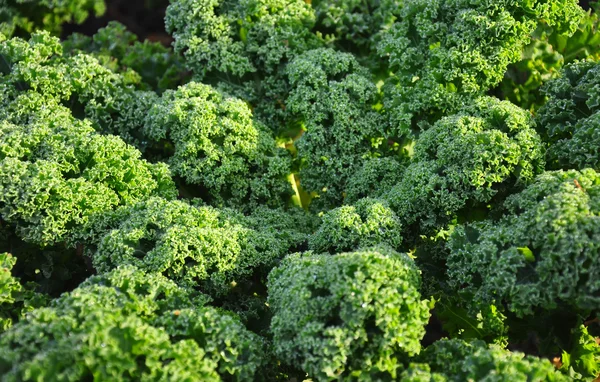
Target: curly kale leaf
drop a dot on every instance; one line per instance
(78, 81)
(466, 159)
(56, 171)
(443, 52)
(120, 51)
(354, 314)
(239, 37)
(374, 178)
(541, 255)
(243, 47)
(333, 97)
(199, 247)
(457, 360)
(366, 223)
(220, 147)
(129, 325)
(354, 25)
(570, 118)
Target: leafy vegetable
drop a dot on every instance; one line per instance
(318, 190)
(541, 254)
(128, 325)
(354, 314)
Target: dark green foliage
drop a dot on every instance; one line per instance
(198, 247)
(333, 97)
(488, 324)
(366, 223)
(51, 270)
(340, 167)
(290, 226)
(354, 24)
(444, 52)
(16, 299)
(541, 255)
(120, 51)
(456, 360)
(570, 120)
(374, 178)
(573, 96)
(24, 16)
(355, 314)
(466, 159)
(581, 150)
(129, 325)
(219, 147)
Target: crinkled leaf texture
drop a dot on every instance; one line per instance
(352, 315)
(541, 255)
(129, 325)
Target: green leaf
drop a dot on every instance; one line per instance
(527, 253)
